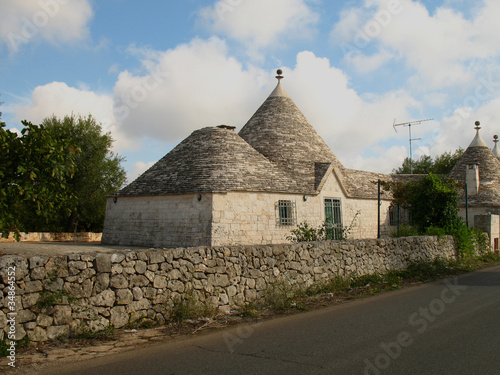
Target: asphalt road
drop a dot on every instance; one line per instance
(447, 327)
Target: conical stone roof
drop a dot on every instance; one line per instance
(280, 132)
(212, 159)
(277, 150)
(478, 153)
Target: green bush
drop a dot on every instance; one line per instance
(405, 231)
(280, 294)
(305, 233)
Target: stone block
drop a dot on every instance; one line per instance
(176, 286)
(98, 324)
(117, 258)
(38, 273)
(38, 261)
(138, 280)
(160, 282)
(33, 286)
(30, 300)
(101, 282)
(150, 275)
(118, 282)
(55, 285)
(55, 332)
(138, 294)
(124, 296)
(38, 335)
(44, 320)
(62, 315)
(29, 326)
(103, 263)
(105, 298)
(77, 265)
(141, 267)
(24, 316)
(119, 316)
(142, 304)
(142, 256)
(149, 292)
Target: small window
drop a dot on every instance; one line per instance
(285, 213)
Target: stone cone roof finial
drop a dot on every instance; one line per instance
(478, 140)
(496, 150)
(279, 90)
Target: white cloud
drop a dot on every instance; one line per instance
(385, 161)
(55, 21)
(351, 124)
(260, 23)
(457, 130)
(367, 64)
(58, 99)
(177, 95)
(442, 48)
(192, 86)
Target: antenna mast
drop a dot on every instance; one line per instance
(410, 139)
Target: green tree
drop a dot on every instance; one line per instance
(442, 164)
(432, 201)
(98, 171)
(34, 169)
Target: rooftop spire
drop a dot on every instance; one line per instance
(496, 150)
(279, 77)
(478, 140)
(279, 90)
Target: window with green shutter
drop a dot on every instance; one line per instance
(333, 219)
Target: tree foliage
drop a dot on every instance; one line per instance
(98, 171)
(56, 176)
(442, 164)
(34, 169)
(432, 201)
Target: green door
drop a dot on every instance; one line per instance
(333, 219)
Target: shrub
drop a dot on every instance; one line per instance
(280, 294)
(305, 233)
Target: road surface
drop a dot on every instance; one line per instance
(446, 327)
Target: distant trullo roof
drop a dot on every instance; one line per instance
(496, 150)
(478, 153)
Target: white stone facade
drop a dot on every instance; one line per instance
(158, 221)
(232, 218)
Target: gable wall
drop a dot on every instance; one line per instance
(159, 221)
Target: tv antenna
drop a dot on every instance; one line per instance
(410, 139)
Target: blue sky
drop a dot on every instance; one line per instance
(154, 71)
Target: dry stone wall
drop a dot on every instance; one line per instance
(46, 297)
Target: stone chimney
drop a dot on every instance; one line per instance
(472, 179)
